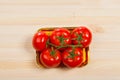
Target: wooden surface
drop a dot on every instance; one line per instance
(19, 20)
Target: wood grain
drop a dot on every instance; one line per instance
(19, 20)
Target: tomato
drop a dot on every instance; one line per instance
(39, 41)
(72, 57)
(50, 58)
(81, 35)
(60, 36)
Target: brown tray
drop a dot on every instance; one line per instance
(48, 31)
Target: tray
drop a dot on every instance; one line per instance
(48, 31)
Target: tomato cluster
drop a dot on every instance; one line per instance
(62, 46)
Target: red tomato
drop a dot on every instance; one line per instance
(60, 36)
(50, 58)
(72, 57)
(39, 41)
(81, 35)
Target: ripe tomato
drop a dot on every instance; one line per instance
(50, 58)
(60, 36)
(81, 35)
(72, 57)
(39, 41)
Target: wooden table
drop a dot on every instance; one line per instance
(19, 20)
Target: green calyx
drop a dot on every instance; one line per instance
(52, 53)
(79, 38)
(62, 40)
(72, 53)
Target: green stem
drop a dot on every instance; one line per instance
(52, 52)
(63, 46)
(72, 53)
(51, 44)
(48, 43)
(69, 46)
(61, 39)
(79, 38)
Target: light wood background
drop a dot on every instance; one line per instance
(20, 19)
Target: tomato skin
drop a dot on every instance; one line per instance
(48, 60)
(58, 33)
(39, 41)
(86, 36)
(75, 61)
